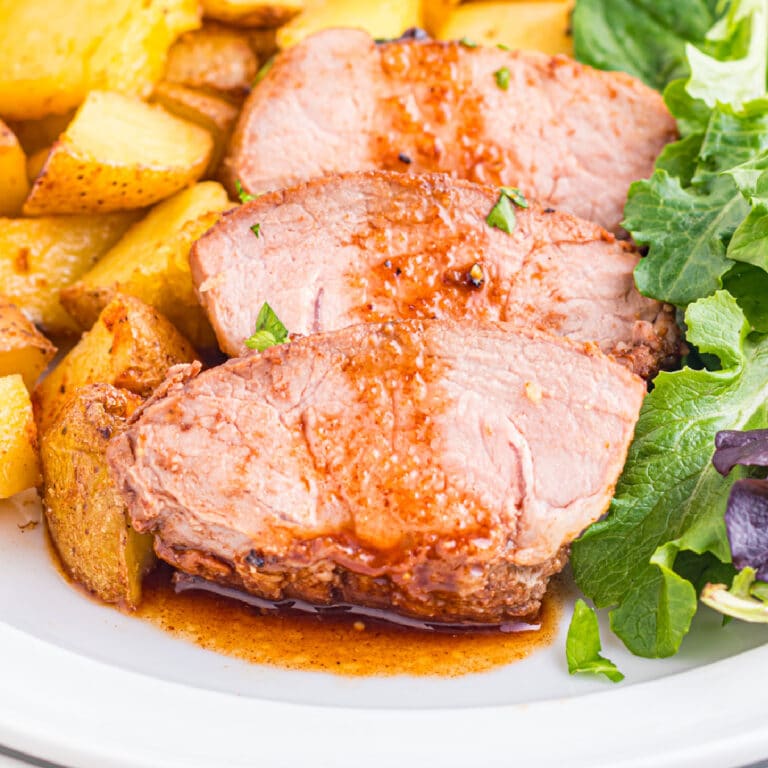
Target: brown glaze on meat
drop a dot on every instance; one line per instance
(374, 246)
(570, 136)
(431, 468)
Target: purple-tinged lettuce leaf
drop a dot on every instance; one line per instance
(735, 447)
(746, 515)
(746, 523)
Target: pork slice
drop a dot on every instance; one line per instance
(571, 136)
(423, 466)
(373, 246)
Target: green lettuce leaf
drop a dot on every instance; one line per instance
(734, 69)
(749, 286)
(688, 212)
(669, 499)
(646, 38)
(582, 646)
(687, 232)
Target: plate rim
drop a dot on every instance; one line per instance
(47, 711)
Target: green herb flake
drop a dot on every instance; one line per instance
(269, 331)
(245, 197)
(515, 195)
(582, 646)
(256, 229)
(503, 47)
(264, 69)
(502, 215)
(467, 43)
(502, 78)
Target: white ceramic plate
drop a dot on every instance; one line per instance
(87, 687)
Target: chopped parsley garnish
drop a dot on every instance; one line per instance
(503, 47)
(502, 215)
(467, 43)
(269, 331)
(502, 78)
(262, 73)
(256, 229)
(515, 195)
(245, 197)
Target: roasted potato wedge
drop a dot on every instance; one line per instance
(151, 262)
(131, 346)
(23, 349)
(117, 154)
(434, 13)
(14, 185)
(38, 257)
(215, 59)
(542, 26)
(250, 13)
(35, 135)
(263, 42)
(215, 114)
(19, 464)
(86, 515)
(35, 164)
(51, 57)
(386, 19)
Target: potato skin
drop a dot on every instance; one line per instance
(213, 59)
(51, 55)
(38, 257)
(13, 173)
(86, 516)
(118, 154)
(23, 349)
(130, 346)
(214, 113)
(251, 13)
(19, 463)
(151, 262)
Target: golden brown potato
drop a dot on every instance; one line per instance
(85, 514)
(151, 262)
(541, 26)
(38, 257)
(215, 114)
(35, 164)
(130, 346)
(434, 13)
(23, 349)
(251, 13)
(263, 42)
(117, 154)
(13, 173)
(35, 135)
(215, 59)
(51, 56)
(386, 19)
(19, 465)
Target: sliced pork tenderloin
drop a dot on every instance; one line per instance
(373, 246)
(426, 467)
(568, 135)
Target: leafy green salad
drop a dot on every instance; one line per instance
(683, 528)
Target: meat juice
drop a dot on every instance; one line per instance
(344, 645)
